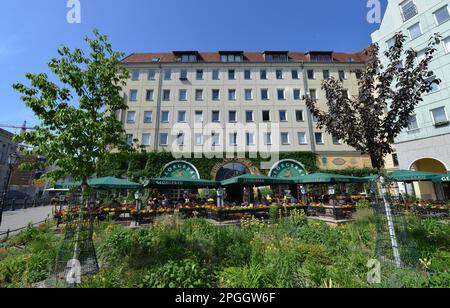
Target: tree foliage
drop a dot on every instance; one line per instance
(78, 124)
(371, 120)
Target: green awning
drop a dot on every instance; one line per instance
(256, 180)
(108, 183)
(179, 182)
(327, 178)
(443, 178)
(413, 176)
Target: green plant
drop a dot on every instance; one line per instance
(181, 274)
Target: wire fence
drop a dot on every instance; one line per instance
(9, 231)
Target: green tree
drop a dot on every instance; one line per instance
(78, 125)
(371, 120)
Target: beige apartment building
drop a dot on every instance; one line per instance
(237, 101)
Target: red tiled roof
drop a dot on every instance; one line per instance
(166, 57)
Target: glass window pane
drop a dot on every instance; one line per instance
(415, 31)
(442, 15)
(439, 115)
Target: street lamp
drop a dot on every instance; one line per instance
(12, 160)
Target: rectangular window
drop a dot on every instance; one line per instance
(264, 94)
(180, 139)
(183, 95)
(149, 95)
(250, 139)
(198, 139)
(215, 95)
(434, 85)
(408, 10)
(163, 139)
(311, 75)
(199, 75)
(345, 93)
(148, 116)
(342, 75)
(395, 160)
(439, 116)
(165, 116)
(263, 74)
(412, 123)
(336, 140)
(266, 116)
(231, 58)
(326, 74)
(232, 116)
(215, 138)
(151, 75)
(166, 95)
(415, 31)
(313, 93)
(199, 95)
(167, 74)
(130, 139)
(248, 94)
(232, 94)
(420, 56)
(133, 95)
(447, 44)
(216, 116)
(267, 138)
(248, 75)
(302, 138)
(299, 115)
(390, 43)
(233, 139)
(131, 117)
(249, 116)
(281, 94)
(183, 74)
(283, 116)
(295, 75)
(146, 140)
(216, 74)
(199, 116)
(442, 15)
(297, 94)
(181, 116)
(279, 74)
(319, 138)
(135, 75)
(231, 74)
(188, 58)
(285, 139)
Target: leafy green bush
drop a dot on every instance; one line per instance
(183, 274)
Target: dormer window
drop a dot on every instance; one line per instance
(186, 56)
(231, 56)
(320, 56)
(271, 56)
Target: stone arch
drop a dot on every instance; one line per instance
(429, 190)
(245, 162)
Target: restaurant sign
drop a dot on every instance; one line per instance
(287, 168)
(180, 169)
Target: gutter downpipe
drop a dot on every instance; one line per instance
(158, 108)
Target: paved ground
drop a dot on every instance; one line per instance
(13, 220)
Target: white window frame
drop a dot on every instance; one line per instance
(168, 116)
(133, 72)
(230, 98)
(202, 97)
(400, 6)
(288, 138)
(267, 138)
(262, 116)
(180, 139)
(136, 97)
(303, 115)
(253, 116)
(234, 74)
(132, 121)
(151, 74)
(409, 31)
(322, 141)
(417, 123)
(212, 116)
(167, 74)
(284, 94)
(212, 95)
(282, 74)
(218, 74)
(266, 75)
(285, 115)
(160, 139)
(305, 138)
(313, 74)
(149, 139)
(152, 96)
(251, 94)
(185, 116)
(233, 139)
(235, 116)
(163, 94)
(197, 112)
(435, 18)
(202, 76)
(247, 139)
(297, 74)
(186, 98)
(432, 116)
(447, 49)
(251, 74)
(299, 94)
(216, 136)
(184, 74)
(196, 139)
(151, 116)
(268, 94)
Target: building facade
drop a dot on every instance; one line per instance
(233, 101)
(7, 147)
(425, 145)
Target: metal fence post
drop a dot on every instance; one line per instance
(34, 202)
(24, 205)
(13, 204)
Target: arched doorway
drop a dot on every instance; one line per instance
(428, 190)
(228, 171)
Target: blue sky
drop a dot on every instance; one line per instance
(32, 31)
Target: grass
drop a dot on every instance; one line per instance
(294, 252)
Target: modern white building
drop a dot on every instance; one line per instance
(425, 145)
